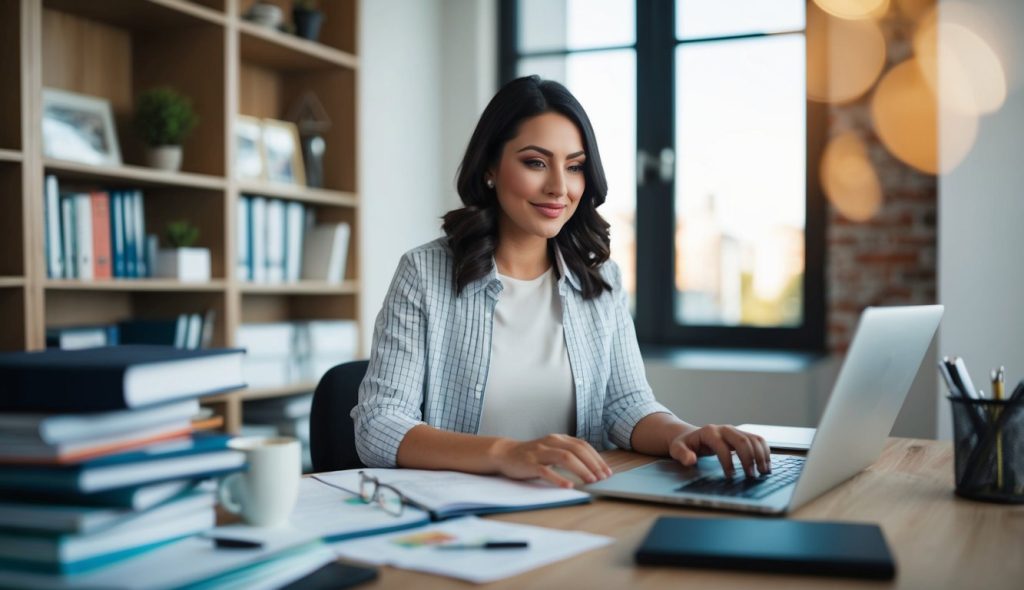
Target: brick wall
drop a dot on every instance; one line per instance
(890, 259)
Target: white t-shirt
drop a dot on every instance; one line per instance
(530, 391)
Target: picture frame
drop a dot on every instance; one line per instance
(249, 159)
(282, 152)
(79, 128)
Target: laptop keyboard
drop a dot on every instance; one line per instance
(785, 470)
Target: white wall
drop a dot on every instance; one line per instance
(428, 68)
(981, 220)
(469, 72)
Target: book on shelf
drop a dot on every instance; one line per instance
(76, 552)
(258, 233)
(187, 330)
(275, 240)
(268, 339)
(283, 353)
(67, 232)
(80, 337)
(142, 265)
(55, 429)
(54, 246)
(448, 494)
(270, 239)
(201, 456)
(295, 218)
(102, 265)
(83, 235)
(325, 253)
(244, 240)
(117, 246)
(112, 378)
(338, 338)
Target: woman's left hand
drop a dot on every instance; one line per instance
(712, 439)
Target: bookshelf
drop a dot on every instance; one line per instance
(116, 49)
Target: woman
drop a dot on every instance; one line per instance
(507, 346)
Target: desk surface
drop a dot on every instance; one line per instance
(939, 540)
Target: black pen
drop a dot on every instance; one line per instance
(488, 545)
(225, 543)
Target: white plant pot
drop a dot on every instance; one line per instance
(165, 157)
(188, 265)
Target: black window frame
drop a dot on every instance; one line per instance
(655, 217)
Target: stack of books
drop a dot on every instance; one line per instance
(95, 234)
(99, 458)
(186, 330)
(279, 242)
(280, 354)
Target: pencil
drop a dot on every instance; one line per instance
(997, 394)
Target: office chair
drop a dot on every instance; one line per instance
(332, 440)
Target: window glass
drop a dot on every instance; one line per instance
(696, 19)
(551, 25)
(740, 182)
(605, 84)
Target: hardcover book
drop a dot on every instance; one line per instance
(115, 377)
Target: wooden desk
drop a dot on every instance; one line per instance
(939, 540)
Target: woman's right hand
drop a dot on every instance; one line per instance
(536, 458)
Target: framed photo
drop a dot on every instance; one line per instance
(282, 152)
(249, 164)
(79, 128)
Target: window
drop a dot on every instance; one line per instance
(710, 147)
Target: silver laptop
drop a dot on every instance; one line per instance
(880, 366)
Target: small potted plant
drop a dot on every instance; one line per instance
(308, 19)
(163, 119)
(181, 261)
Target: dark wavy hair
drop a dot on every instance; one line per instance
(473, 230)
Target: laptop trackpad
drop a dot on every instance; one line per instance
(669, 474)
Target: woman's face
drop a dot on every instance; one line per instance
(539, 179)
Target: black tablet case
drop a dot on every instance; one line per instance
(785, 546)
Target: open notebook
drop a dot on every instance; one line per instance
(446, 494)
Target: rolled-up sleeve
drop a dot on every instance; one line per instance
(629, 397)
(391, 394)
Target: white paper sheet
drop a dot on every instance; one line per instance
(474, 565)
(793, 438)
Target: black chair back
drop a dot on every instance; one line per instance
(332, 435)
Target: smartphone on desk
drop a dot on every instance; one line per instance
(333, 576)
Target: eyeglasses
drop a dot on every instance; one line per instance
(371, 490)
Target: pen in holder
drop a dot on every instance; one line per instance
(988, 438)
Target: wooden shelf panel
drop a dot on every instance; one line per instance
(262, 393)
(282, 51)
(318, 196)
(12, 282)
(301, 288)
(140, 14)
(137, 175)
(10, 156)
(134, 285)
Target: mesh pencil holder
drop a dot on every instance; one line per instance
(988, 438)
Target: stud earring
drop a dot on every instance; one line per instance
(490, 183)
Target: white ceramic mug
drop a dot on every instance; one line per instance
(264, 494)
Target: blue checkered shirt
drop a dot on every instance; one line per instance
(432, 349)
